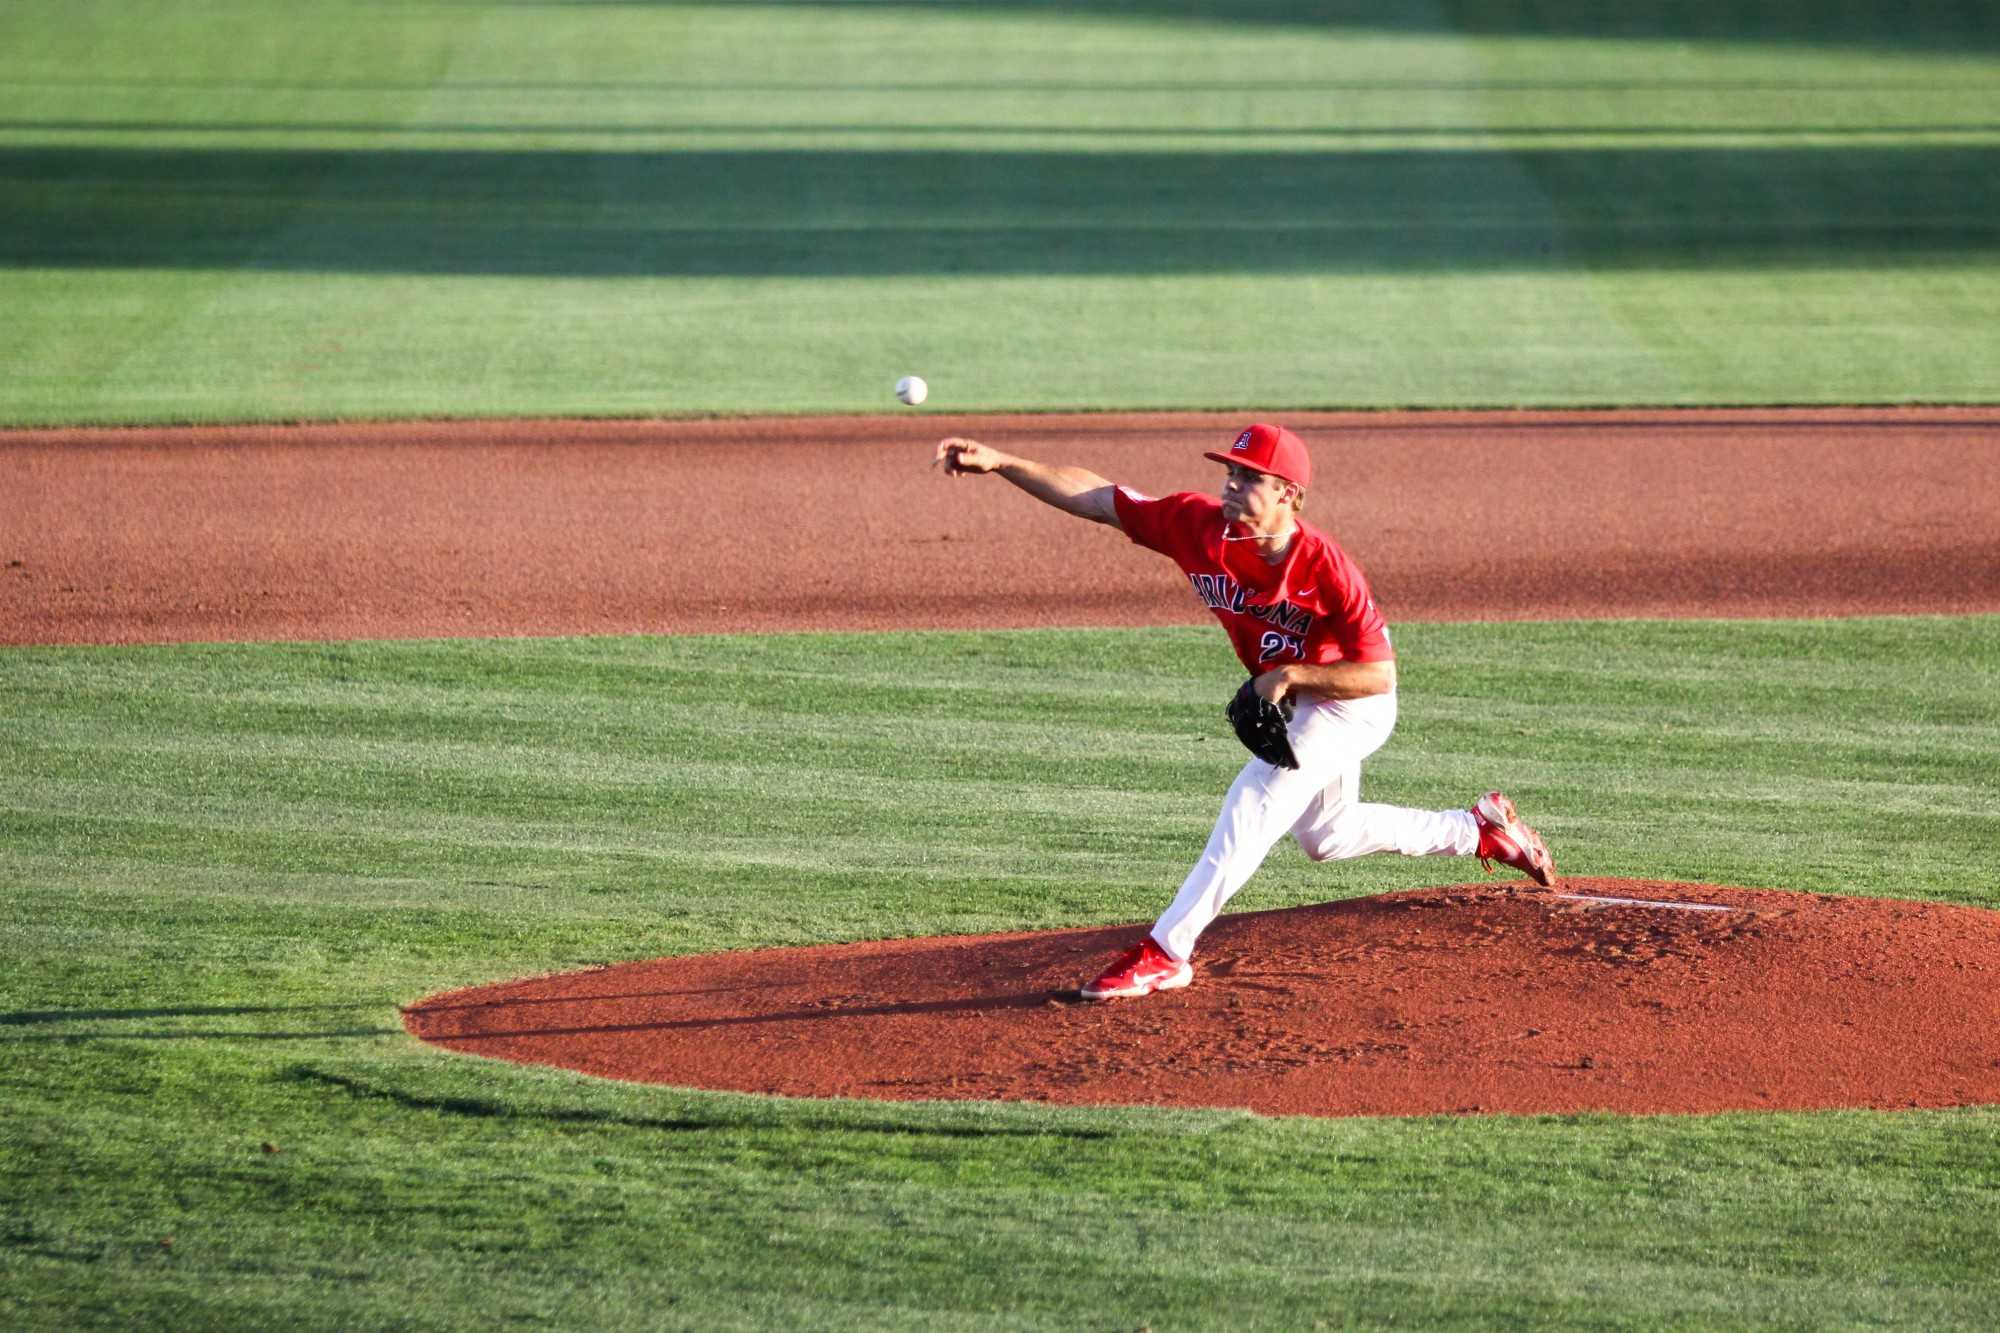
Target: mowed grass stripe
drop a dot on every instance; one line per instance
(628, 1203)
(683, 754)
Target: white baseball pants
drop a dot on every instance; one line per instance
(1318, 803)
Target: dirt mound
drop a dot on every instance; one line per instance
(1603, 995)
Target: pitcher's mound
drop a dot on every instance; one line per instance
(1601, 995)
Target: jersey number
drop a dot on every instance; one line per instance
(1274, 644)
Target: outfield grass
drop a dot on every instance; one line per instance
(260, 209)
(224, 868)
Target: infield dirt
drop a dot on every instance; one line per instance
(647, 527)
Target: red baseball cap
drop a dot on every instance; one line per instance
(1271, 449)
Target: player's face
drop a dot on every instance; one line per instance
(1256, 500)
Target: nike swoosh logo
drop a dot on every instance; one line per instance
(1306, 592)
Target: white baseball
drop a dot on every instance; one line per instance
(912, 389)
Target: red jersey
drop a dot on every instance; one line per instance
(1313, 608)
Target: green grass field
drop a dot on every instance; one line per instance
(254, 209)
(222, 869)
(225, 867)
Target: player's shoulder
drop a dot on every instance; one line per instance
(1176, 498)
(1324, 551)
(1320, 544)
(1195, 504)
(1180, 505)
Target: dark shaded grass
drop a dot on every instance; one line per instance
(1940, 26)
(858, 212)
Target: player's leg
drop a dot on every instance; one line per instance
(1330, 739)
(1337, 825)
(1315, 803)
(1261, 805)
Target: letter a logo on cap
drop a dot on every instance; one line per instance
(1270, 449)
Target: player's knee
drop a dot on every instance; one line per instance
(1326, 840)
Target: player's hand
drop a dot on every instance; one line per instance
(1274, 684)
(958, 456)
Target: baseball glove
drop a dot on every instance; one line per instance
(1261, 725)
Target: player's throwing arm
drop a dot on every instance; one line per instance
(1073, 490)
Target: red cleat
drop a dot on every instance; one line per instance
(1143, 969)
(1504, 838)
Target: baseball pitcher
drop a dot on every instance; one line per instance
(1320, 698)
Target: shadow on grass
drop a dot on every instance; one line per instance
(27, 1018)
(487, 1109)
(804, 213)
(1942, 26)
(781, 132)
(792, 88)
(326, 1034)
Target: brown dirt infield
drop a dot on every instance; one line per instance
(1464, 998)
(390, 531)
